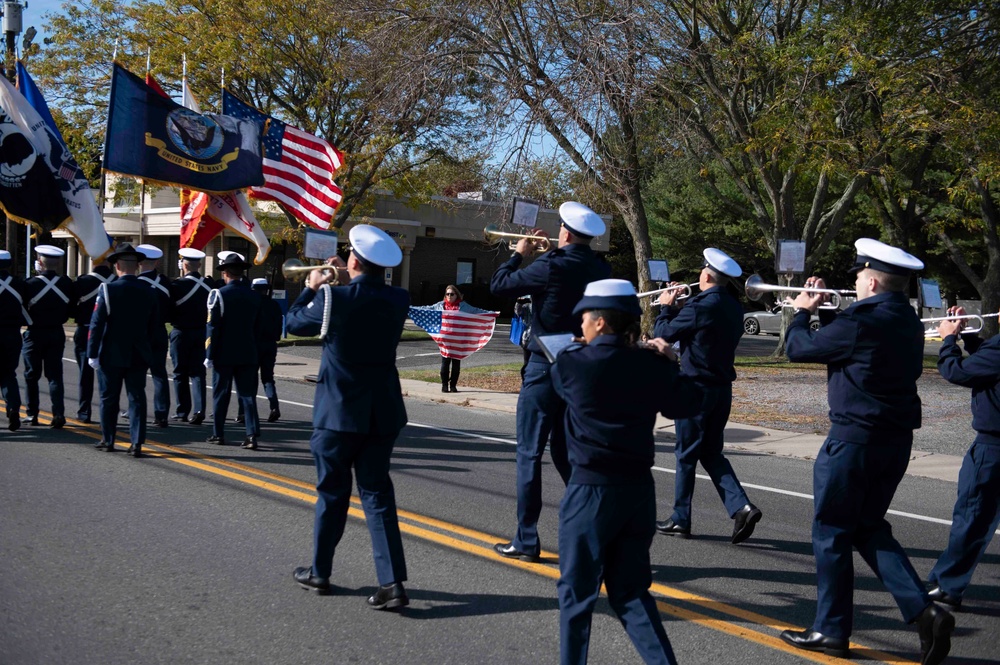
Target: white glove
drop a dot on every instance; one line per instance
(94, 363)
(208, 364)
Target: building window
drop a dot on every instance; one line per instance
(466, 271)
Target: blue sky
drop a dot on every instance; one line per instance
(33, 16)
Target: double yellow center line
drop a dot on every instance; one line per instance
(478, 543)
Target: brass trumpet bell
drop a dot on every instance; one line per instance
(295, 269)
(493, 233)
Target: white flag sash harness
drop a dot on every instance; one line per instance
(199, 283)
(155, 284)
(102, 279)
(50, 285)
(215, 297)
(5, 286)
(103, 291)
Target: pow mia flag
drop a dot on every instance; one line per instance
(155, 138)
(29, 192)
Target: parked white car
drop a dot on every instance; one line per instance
(769, 322)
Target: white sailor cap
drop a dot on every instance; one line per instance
(50, 250)
(4, 255)
(191, 254)
(151, 252)
(721, 262)
(616, 294)
(224, 254)
(581, 220)
(884, 258)
(259, 281)
(374, 245)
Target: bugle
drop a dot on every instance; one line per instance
(684, 288)
(493, 233)
(932, 332)
(756, 288)
(294, 269)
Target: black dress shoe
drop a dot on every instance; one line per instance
(83, 418)
(30, 420)
(672, 528)
(389, 597)
(161, 422)
(810, 640)
(306, 580)
(177, 416)
(198, 418)
(101, 445)
(951, 603)
(217, 440)
(454, 389)
(134, 451)
(250, 443)
(273, 416)
(745, 521)
(241, 419)
(13, 422)
(57, 422)
(508, 550)
(444, 389)
(935, 626)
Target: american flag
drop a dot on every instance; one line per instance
(458, 334)
(298, 167)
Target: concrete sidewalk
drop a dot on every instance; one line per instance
(738, 436)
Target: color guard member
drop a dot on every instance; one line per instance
(613, 390)
(49, 299)
(160, 286)
(709, 327)
(977, 509)
(873, 351)
(12, 317)
(231, 349)
(85, 289)
(119, 347)
(267, 345)
(358, 408)
(188, 314)
(555, 282)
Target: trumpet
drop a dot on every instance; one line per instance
(973, 318)
(294, 269)
(492, 232)
(685, 288)
(756, 288)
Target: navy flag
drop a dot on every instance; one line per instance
(155, 138)
(29, 192)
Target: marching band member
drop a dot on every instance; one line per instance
(613, 391)
(85, 290)
(709, 327)
(188, 314)
(160, 286)
(873, 351)
(267, 345)
(231, 349)
(358, 410)
(119, 347)
(12, 317)
(977, 509)
(555, 282)
(49, 301)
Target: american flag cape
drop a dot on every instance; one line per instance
(298, 167)
(458, 334)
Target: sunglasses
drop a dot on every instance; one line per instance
(451, 293)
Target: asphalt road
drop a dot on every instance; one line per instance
(186, 556)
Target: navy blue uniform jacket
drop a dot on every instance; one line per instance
(85, 292)
(981, 372)
(231, 335)
(51, 310)
(555, 281)
(122, 326)
(270, 324)
(613, 393)
(708, 328)
(192, 313)
(11, 313)
(874, 354)
(358, 388)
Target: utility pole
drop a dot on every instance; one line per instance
(11, 29)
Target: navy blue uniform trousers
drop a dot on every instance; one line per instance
(245, 377)
(604, 535)
(335, 454)
(540, 413)
(43, 349)
(158, 372)
(853, 485)
(110, 380)
(86, 382)
(700, 439)
(973, 521)
(187, 353)
(10, 355)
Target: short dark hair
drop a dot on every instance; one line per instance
(620, 323)
(891, 282)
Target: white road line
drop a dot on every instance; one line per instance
(511, 442)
